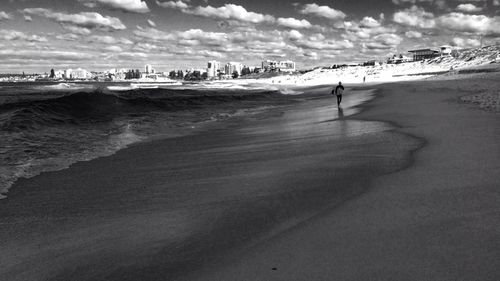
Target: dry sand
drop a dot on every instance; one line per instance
(303, 193)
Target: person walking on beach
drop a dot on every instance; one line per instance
(338, 92)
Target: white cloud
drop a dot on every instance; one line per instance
(413, 2)
(311, 55)
(317, 37)
(109, 40)
(322, 11)
(68, 37)
(11, 35)
(146, 47)
(361, 31)
(441, 4)
(78, 22)
(151, 23)
(416, 17)
(191, 37)
(153, 34)
(76, 29)
(382, 42)
(204, 37)
(480, 24)
(294, 35)
(231, 12)
(114, 49)
(173, 4)
(465, 43)
(134, 6)
(469, 8)
(5, 16)
(324, 44)
(294, 23)
(369, 22)
(227, 12)
(253, 36)
(46, 55)
(413, 34)
(388, 39)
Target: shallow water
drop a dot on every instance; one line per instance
(48, 126)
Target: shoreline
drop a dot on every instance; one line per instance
(272, 201)
(432, 220)
(58, 207)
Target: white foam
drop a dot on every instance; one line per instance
(32, 167)
(124, 139)
(120, 88)
(287, 91)
(65, 87)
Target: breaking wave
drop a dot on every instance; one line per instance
(47, 133)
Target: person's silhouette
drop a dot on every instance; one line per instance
(338, 91)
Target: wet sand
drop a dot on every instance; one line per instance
(435, 220)
(303, 193)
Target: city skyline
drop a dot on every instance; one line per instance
(37, 35)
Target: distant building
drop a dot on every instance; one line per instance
(399, 59)
(286, 66)
(445, 50)
(213, 68)
(231, 67)
(280, 66)
(67, 73)
(59, 74)
(269, 65)
(80, 74)
(422, 54)
(370, 63)
(149, 69)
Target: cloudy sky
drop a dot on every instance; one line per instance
(36, 35)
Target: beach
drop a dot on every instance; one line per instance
(402, 184)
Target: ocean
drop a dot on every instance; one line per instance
(49, 126)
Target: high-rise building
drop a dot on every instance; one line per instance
(67, 73)
(213, 68)
(149, 69)
(231, 67)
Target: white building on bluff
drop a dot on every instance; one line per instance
(280, 66)
(445, 50)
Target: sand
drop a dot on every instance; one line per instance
(405, 190)
(435, 220)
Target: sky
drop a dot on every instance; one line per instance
(37, 35)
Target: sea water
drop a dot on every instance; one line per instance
(49, 126)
